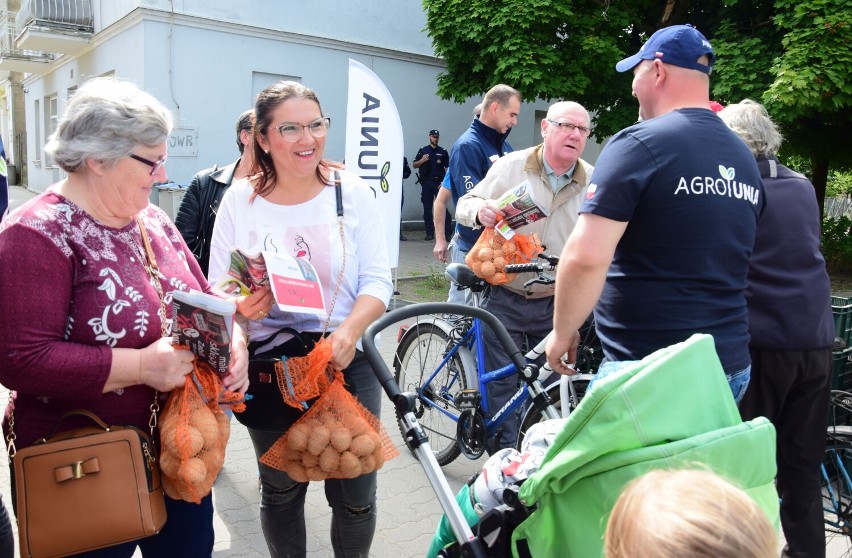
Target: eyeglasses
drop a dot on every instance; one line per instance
(291, 131)
(567, 127)
(155, 165)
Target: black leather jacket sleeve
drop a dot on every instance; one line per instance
(189, 217)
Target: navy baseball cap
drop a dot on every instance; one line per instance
(679, 45)
(434, 133)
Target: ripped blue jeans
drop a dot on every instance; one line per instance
(352, 501)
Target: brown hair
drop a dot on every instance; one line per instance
(500, 94)
(267, 101)
(669, 514)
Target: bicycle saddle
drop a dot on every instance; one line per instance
(462, 275)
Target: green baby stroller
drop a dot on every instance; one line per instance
(673, 409)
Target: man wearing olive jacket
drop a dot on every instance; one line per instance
(558, 178)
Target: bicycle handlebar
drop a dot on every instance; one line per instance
(524, 268)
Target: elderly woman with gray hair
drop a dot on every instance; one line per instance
(791, 328)
(85, 319)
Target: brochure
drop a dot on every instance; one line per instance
(519, 208)
(294, 281)
(204, 323)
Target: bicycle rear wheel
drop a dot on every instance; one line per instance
(837, 491)
(418, 356)
(533, 416)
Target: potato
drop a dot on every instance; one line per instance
(319, 440)
(363, 445)
(499, 263)
(296, 471)
(170, 464)
(310, 460)
(202, 418)
(485, 254)
(330, 422)
(341, 439)
(472, 255)
(498, 278)
(193, 472)
(316, 474)
(329, 460)
(359, 426)
(368, 464)
(379, 456)
(510, 248)
(350, 467)
(297, 437)
(188, 439)
(213, 459)
(486, 270)
(224, 422)
(170, 488)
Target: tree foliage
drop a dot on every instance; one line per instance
(792, 55)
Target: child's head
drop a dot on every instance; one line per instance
(670, 514)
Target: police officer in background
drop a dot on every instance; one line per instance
(431, 162)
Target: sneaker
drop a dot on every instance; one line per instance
(429, 237)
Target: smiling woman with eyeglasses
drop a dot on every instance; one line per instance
(303, 205)
(87, 268)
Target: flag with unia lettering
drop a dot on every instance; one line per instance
(374, 149)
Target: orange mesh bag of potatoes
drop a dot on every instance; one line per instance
(492, 253)
(336, 438)
(301, 379)
(193, 434)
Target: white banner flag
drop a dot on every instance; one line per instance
(374, 149)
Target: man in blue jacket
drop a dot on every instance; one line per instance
(470, 158)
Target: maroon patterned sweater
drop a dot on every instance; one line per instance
(71, 289)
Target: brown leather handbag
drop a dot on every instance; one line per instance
(87, 488)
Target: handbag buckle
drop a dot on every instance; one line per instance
(77, 470)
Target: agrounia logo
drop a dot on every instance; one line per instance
(725, 185)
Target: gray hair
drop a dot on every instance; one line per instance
(106, 120)
(752, 123)
(558, 108)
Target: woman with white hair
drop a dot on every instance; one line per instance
(84, 311)
(791, 329)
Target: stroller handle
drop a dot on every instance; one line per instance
(380, 369)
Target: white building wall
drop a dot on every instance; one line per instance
(392, 24)
(206, 64)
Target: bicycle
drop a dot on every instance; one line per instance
(836, 481)
(440, 360)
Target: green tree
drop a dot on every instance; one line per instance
(792, 55)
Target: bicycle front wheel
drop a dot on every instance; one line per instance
(533, 416)
(417, 358)
(837, 491)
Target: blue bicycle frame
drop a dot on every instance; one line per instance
(472, 337)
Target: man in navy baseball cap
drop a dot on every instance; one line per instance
(679, 45)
